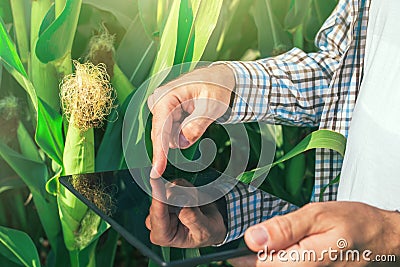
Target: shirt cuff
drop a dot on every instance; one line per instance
(247, 206)
(248, 99)
(243, 211)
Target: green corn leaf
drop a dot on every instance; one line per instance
(18, 10)
(166, 253)
(121, 84)
(48, 19)
(91, 19)
(334, 181)
(194, 253)
(1, 73)
(87, 256)
(9, 183)
(148, 16)
(106, 252)
(227, 36)
(34, 174)
(318, 139)
(52, 184)
(8, 52)
(320, 10)
(193, 36)
(164, 60)
(49, 134)
(18, 247)
(123, 10)
(79, 152)
(5, 11)
(297, 13)
(80, 225)
(78, 158)
(11, 61)
(271, 34)
(26, 144)
(295, 174)
(71, 212)
(46, 206)
(43, 76)
(141, 53)
(110, 154)
(185, 44)
(166, 52)
(25, 168)
(56, 40)
(295, 168)
(163, 9)
(281, 8)
(207, 14)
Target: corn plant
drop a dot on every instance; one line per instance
(51, 49)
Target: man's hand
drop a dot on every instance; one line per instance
(318, 227)
(186, 227)
(184, 108)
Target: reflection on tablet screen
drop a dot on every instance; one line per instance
(118, 199)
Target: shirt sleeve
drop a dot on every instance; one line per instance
(247, 206)
(288, 89)
(291, 88)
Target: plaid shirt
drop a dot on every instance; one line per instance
(316, 89)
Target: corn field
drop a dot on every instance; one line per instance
(69, 68)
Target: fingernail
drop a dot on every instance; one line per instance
(258, 236)
(183, 142)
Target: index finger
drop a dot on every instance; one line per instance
(160, 136)
(159, 212)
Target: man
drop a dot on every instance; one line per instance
(316, 89)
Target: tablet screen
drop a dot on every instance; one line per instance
(121, 201)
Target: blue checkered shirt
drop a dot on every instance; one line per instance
(315, 89)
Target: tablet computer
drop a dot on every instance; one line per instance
(118, 199)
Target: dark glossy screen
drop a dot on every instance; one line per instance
(118, 199)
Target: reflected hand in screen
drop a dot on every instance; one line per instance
(185, 227)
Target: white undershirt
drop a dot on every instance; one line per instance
(371, 167)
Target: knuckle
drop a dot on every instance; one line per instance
(197, 131)
(312, 206)
(194, 132)
(282, 225)
(205, 236)
(188, 216)
(317, 209)
(319, 212)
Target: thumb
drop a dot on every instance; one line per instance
(284, 231)
(193, 127)
(205, 112)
